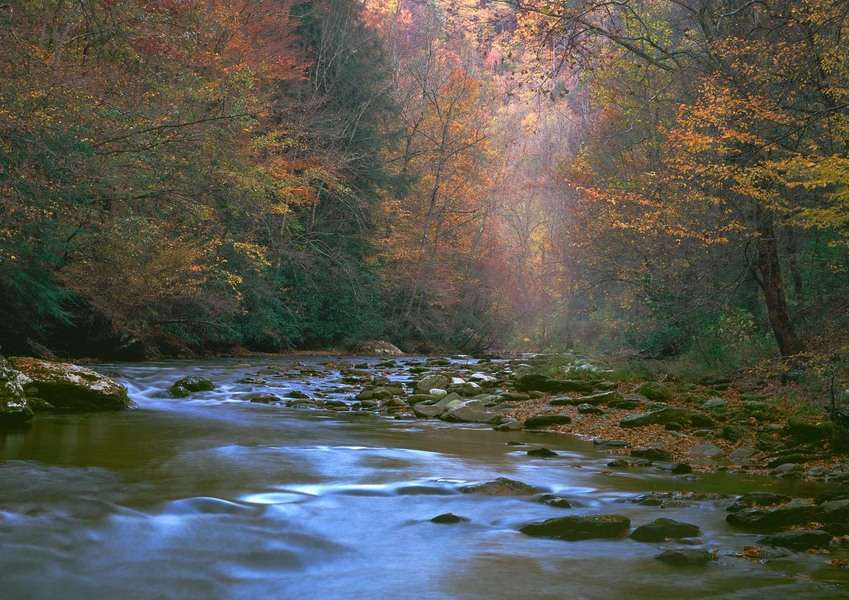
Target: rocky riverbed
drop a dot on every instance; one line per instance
(299, 463)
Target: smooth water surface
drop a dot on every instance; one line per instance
(214, 497)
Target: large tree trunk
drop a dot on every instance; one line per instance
(768, 272)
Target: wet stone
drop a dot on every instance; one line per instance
(501, 486)
(575, 528)
(685, 557)
(542, 453)
(448, 519)
(660, 530)
(799, 539)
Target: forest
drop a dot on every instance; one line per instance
(662, 177)
(431, 299)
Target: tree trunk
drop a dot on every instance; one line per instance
(768, 272)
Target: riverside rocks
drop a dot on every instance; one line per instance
(14, 408)
(661, 416)
(378, 348)
(543, 383)
(70, 387)
(574, 528)
(652, 453)
(546, 420)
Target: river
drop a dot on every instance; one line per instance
(214, 497)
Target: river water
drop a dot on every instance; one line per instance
(214, 497)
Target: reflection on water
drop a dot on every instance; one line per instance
(213, 497)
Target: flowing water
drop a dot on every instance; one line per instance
(215, 497)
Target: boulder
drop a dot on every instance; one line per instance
(501, 487)
(660, 416)
(14, 408)
(378, 348)
(430, 410)
(574, 528)
(660, 530)
(71, 387)
(655, 391)
(554, 501)
(546, 420)
(798, 539)
(685, 557)
(470, 411)
(764, 519)
(589, 409)
(185, 386)
(433, 381)
(544, 383)
(809, 431)
(705, 451)
(753, 499)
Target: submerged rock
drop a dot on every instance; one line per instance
(685, 557)
(555, 501)
(71, 387)
(262, 398)
(664, 529)
(542, 453)
(799, 539)
(448, 519)
(501, 487)
(509, 425)
(574, 528)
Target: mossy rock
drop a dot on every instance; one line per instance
(660, 416)
(655, 391)
(803, 430)
(574, 528)
(660, 530)
(187, 385)
(71, 387)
